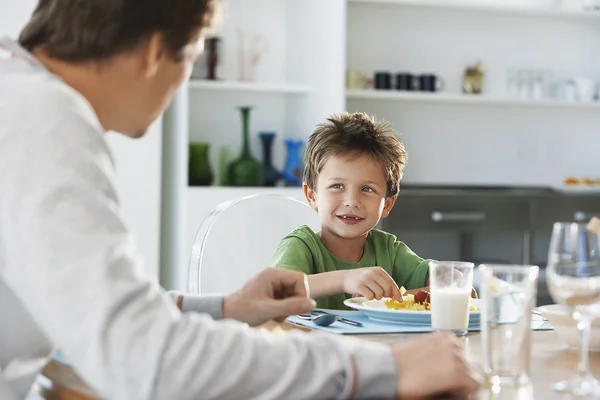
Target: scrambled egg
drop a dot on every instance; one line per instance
(408, 304)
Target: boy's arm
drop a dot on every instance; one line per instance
(292, 253)
(372, 282)
(409, 270)
(326, 283)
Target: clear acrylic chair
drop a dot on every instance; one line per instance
(236, 241)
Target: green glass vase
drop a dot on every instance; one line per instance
(245, 170)
(199, 171)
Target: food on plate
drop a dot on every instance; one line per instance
(572, 181)
(420, 301)
(587, 181)
(417, 302)
(408, 303)
(422, 297)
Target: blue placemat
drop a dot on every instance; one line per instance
(370, 326)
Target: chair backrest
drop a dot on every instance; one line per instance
(236, 241)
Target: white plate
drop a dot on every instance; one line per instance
(377, 311)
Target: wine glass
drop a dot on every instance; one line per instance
(573, 276)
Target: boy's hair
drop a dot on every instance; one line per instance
(356, 134)
(97, 30)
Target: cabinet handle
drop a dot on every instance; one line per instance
(583, 216)
(459, 216)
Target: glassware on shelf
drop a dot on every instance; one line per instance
(530, 83)
(270, 174)
(226, 155)
(573, 276)
(537, 85)
(245, 170)
(512, 82)
(294, 166)
(212, 57)
(251, 48)
(199, 170)
(525, 83)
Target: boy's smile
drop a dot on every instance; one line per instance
(350, 219)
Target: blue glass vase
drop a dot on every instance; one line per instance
(294, 167)
(270, 174)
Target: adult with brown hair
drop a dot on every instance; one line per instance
(70, 275)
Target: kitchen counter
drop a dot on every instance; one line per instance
(529, 192)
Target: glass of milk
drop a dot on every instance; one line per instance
(450, 284)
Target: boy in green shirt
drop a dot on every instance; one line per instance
(354, 165)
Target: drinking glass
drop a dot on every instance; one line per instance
(508, 295)
(573, 276)
(451, 283)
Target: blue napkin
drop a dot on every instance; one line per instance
(370, 326)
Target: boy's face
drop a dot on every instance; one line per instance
(350, 195)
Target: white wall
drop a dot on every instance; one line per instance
(138, 165)
(14, 14)
(474, 144)
(137, 162)
(316, 55)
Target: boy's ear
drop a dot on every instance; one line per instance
(311, 196)
(388, 205)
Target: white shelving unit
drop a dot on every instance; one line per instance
(462, 99)
(258, 87)
(298, 81)
(509, 8)
(490, 139)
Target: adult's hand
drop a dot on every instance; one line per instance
(431, 365)
(272, 294)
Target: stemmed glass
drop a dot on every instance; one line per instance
(573, 276)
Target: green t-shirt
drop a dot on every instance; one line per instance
(302, 250)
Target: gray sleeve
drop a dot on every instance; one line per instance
(209, 304)
(67, 254)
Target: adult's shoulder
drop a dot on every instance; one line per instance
(36, 101)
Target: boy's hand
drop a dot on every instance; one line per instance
(420, 376)
(372, 283)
